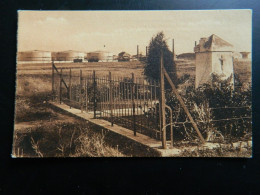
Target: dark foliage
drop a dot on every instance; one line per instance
(152, 67)
(223, 109)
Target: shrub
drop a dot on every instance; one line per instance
(218, 110)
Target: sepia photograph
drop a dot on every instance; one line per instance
(133, 84)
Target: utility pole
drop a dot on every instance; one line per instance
(162, 104)
(173, 51)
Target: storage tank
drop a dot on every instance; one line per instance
(35, 55)
(100, 56)
(69, 55)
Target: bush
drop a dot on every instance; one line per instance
(220, 112)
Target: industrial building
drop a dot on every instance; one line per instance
(123, 56)
(213, 56)
(35, 56)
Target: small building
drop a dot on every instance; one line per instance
(123, 56)
(186, 56)
(245, 54)
(213, 55)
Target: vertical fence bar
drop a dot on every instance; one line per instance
(111, 98)
(80, 91)
(86, 94)
(127, 94)
(60, 85)
(70, 87)
(133, 102)
(101, 97)
(162, 103)
(140, 97)
(94, 94)
(52, 81)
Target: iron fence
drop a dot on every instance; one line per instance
(131, 102)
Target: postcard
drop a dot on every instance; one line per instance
(133, 84)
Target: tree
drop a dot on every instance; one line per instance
(152, 66)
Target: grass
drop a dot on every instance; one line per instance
(62, 139)
(51, 133)
(48, 132)
(43, 131)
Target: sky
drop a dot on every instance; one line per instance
(117, 31)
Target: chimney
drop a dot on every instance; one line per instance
(137, 52)
(146, 51)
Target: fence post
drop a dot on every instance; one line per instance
(94, 95)
(162, 103)
(80, 91)
(86, 94)
(111, 98)
(70, 88)
(60, 85)
(133, 102)
(52, 81)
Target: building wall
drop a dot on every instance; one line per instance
(226, 68)
(203, 63)
(210, 62)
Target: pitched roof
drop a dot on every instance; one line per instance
(214, 42)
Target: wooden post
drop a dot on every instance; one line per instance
(183, 105)
(111, 98)
(162, 104)
(171, 125)
(70, 92)
(173, 50)
(52, 81)
(60, 85)
(133, 102)
(80, 91)
(94, 95)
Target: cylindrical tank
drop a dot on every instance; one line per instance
(69, 55)
(100, 56)
(35, 55)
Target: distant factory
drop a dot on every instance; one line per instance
(65, 56)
